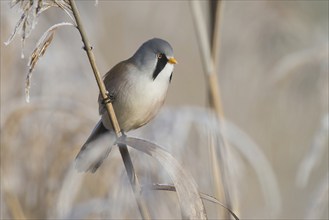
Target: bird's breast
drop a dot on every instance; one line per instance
(140, 101)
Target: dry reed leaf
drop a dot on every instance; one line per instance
(38, 52)
(30, 10)
(17, 26)
(169, 187)
(214, 200)
(189, 198)
(65, 6)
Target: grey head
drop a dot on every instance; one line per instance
(153, 56)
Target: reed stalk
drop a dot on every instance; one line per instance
(209, 48)
(215, 101)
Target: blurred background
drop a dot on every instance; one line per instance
(273, 78)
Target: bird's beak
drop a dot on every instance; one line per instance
(172, 60)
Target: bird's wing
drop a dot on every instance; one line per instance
(114, 81)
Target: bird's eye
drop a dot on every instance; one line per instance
(159, 55)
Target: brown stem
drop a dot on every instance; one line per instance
(215, 96)
(210, 56)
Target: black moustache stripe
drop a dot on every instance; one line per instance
(161, 63)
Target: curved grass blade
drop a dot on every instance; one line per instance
(169, 187)
(189, 198)
(245, 145)
(38, 52)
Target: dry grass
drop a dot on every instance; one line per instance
(273, 72)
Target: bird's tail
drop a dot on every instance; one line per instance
(95, 150)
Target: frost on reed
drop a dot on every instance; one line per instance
(30, 10)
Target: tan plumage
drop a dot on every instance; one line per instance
(138, 87)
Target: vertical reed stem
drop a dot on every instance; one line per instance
(210, 57)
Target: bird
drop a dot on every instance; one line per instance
(137, 88)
